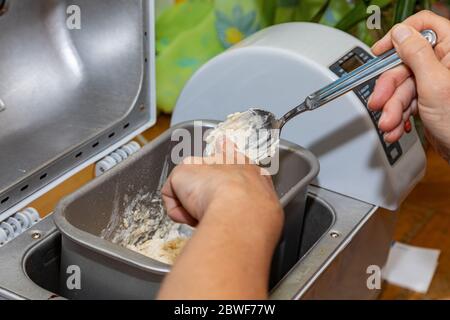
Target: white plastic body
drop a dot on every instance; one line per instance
(151, 121)
(275, 70)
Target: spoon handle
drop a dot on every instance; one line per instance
(361, 75)
(350, 81)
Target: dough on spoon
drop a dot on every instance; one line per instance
(244, 129)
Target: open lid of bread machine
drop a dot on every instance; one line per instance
(76, 82)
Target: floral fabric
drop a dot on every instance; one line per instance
(191, 32)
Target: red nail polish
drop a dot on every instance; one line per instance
(408, 126)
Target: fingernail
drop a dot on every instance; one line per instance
(386, 136)
(408, 126)
(401, 33)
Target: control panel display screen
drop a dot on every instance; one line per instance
(352, 63)
(346, 64)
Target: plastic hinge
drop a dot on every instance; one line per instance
(17, 224)
(116, 157)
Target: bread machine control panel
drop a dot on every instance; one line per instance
(352, 60)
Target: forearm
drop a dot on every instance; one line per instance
(228, 257)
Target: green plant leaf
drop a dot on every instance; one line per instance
(268, 8)
(426, 4)
(359, 13)
(403, 9)
(321, 12)
(286, 10)
(309, 10)
(367, 36)
(336, 10)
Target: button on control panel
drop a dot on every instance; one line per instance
(352, 60)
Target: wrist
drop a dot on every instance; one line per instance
(247, 213)
(247, 200)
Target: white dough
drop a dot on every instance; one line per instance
(244, 130)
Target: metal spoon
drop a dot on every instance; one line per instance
(366, 72)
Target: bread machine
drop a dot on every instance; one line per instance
(70, 97)
(275, 70)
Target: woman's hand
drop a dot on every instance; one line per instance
(422, 85)
(239, 220)
(199, 184)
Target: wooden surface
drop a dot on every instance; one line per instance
(424, 219)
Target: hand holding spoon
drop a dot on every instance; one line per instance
(347, 83)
